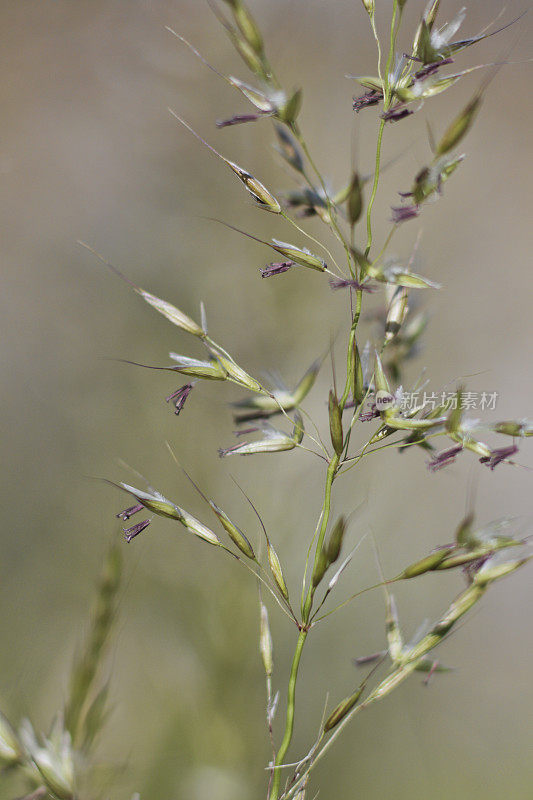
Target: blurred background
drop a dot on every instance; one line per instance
(89, 151)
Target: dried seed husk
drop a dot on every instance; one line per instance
(236, 535)
(493, 572)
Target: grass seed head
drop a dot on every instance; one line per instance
(276, 570)
(265, 642)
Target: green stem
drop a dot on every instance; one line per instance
(326, 508)
(374, 189)
(289, 724)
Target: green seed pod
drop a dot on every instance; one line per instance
(172, 313)
(463, 534)
(490, 572)
(512, 428)
(277, 572)
(10, 749)
(370, 82)
(335, 423)
(210, 370)
(427, 564)
(252, 60)
(235, 372)
(153, 501)
(380, 379)
(453, 421)
(357, 384)
(265, 642)
(355, 199)
(236, 535)
(289, 112)
(342, 710)
(306, 384)
(459, 127)
(259, 192)
(370, 6)
(257, 98)
(298, 255)
(248, 27)
(335, 540)
(289, 149)
(320, 568)
(198, 528)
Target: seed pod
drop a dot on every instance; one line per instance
(265, 642)
(512, 428)
(398, 310)
(320, 568)
(289, 149)
(257, 98)
(235, 533)
(370, 6)
(277, 572)
(198, 528)
(299, 255)
(380, 379)
(355, 199)
(453, 421)
(335, 540)
(248, 27)
(335, 423)
(492, 570)
(210, 370)
(172, 313)
(253, 61)
(306, 383)
(427, 564)
(234, 371)
(289, 112)
(259, 192)
(153, 501)
(342, 710)
(459, 127)
(463, 534)
(357, 383)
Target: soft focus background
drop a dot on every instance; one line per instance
(88, 151)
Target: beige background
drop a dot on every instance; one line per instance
(88, 151)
